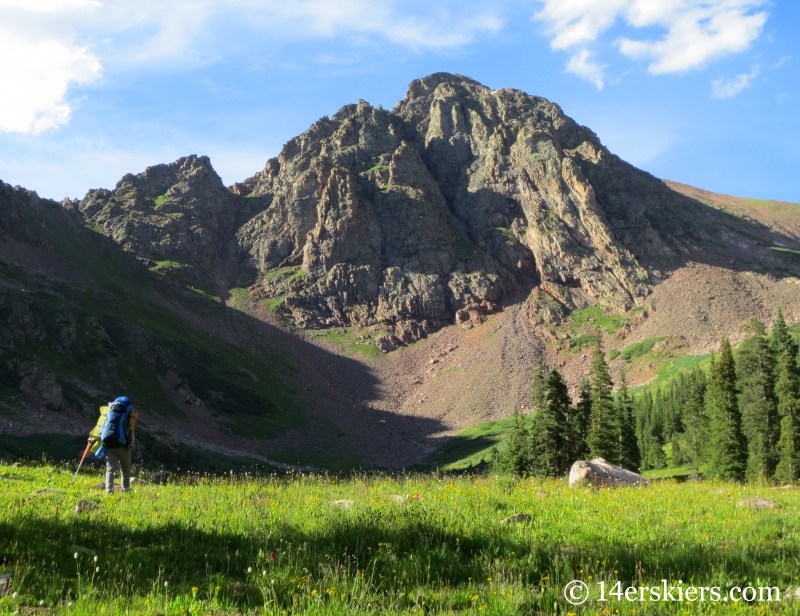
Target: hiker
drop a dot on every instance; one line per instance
(113, 436)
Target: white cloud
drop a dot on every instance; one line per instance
(581, 64)
(47, 6)
(695, 32)
(727, 88)
(193, 30)
(37, 66)
(781, 62)
(46, 44)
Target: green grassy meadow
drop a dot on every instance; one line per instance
(425, 544)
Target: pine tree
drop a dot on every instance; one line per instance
(514, 458)
(780, 340)
(788, 391)
(538, 386)
(695, 420)
(603, 437)
(629, 457)
(654, 441)
(550, 430)
(755, 371)
(642, 407)
(728, 449)
(580, 417)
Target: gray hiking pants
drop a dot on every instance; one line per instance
(118, 457)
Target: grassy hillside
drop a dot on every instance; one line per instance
(384, 545)
(101, 324)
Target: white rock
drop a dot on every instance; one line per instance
(601, 474)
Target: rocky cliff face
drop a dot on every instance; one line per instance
(457, 199)
(180, 214)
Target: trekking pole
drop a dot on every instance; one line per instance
(83, 457)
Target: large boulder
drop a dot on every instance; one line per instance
(757, 504)
(601, 474)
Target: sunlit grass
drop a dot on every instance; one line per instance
(382, 545)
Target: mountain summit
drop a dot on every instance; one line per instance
(459, 198)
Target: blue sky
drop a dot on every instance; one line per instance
(704, 92)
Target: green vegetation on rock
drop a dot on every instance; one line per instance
(595, 317)
(576, 345)
(638, 349)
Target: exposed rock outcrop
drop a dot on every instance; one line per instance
(458, 198)
(179, 215)
(40, 384)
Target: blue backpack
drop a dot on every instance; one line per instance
(116, 433)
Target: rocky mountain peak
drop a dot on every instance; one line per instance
(456, 200)
(460, 196)
(179, 214)
(191, 172)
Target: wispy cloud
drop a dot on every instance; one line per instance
(51, 45)
(727, 88)
(695, 32)
(781, 62)
(582, 64)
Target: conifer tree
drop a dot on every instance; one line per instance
(550, 430)
(695, 421)
(780, 339)
(629, 457)
(728, 449)
(538, 386)
(651, 439)
(755, 372)
(603, 437)
(788, 391)
(580, 416)
(642, 407)
(514, 458)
